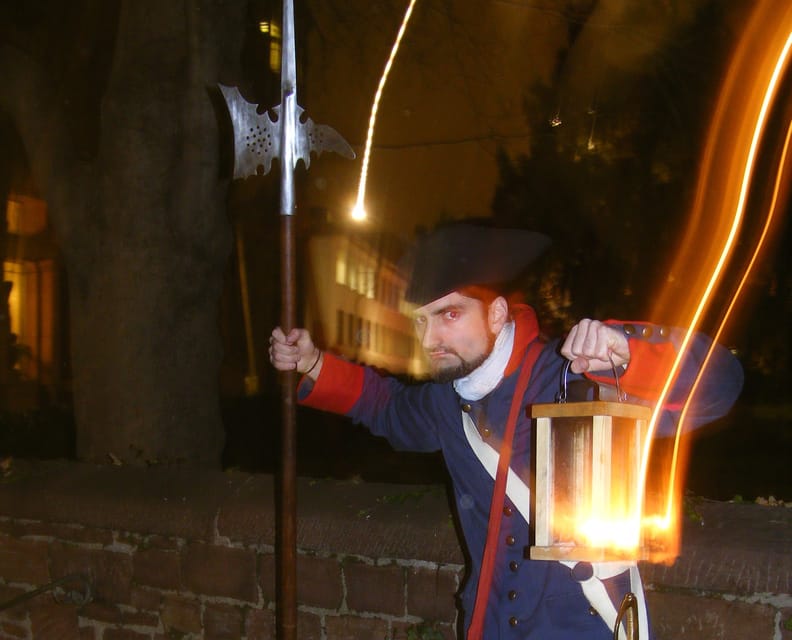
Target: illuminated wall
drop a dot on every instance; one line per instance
(30, 265)
(357, 305)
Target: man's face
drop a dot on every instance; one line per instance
(456, 335)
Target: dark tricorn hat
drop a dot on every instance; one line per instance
(464, 254)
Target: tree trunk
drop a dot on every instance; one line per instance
(144, 233)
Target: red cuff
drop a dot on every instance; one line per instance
(338, 387)
(650, 364)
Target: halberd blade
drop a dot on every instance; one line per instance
(257, 137)
(312, 137)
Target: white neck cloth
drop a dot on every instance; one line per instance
(479, 382)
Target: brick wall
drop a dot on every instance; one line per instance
(173, 553)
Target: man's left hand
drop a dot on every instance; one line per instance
(594, 346)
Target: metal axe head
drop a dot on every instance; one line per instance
(257, 137)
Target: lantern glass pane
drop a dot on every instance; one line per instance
(595, 475)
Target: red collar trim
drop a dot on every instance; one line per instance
(526, 331)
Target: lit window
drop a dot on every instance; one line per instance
(340, 269)
(352, 278)
(275, 56)
(272, 29)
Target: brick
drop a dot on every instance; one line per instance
(267, 577)
(14, 613)
(24, 561)
(430, 593)
(52, 621)
(260, 624)
(354, 628)
(319, 582)
(679, 616)
(220, 571)
(102, 612)
(145, 599)
(157, 568)
(123, 634)
(222, 622)
(180, 615)
(400, 630)
(12, 630)
(785, 624)
(107, 613)
(111, 571)
(409, 630)
(87, 633)
(377, 589)
(309, 626)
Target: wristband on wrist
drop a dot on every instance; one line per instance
(313, 366)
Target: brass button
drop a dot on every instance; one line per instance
(486, 433)
(592, 611)
(663, 331)
(507, 510)
(629, 329)
(510, 540)
(514, 565)
(512, 595)
(466, 407)
(513, 621)
(646, 332)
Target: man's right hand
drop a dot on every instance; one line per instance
(295, 352)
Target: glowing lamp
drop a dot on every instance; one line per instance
(588, 481)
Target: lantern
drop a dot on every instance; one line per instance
(588, 491)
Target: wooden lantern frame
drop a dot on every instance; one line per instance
(600, 445)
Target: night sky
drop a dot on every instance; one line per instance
(458, 90)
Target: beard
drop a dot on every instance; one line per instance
(464, 367)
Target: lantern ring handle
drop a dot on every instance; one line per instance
(562, 394)
(619, 395)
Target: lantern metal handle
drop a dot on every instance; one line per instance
(562, 395)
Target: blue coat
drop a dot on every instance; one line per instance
(529, 598)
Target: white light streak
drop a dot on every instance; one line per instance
(359, 210)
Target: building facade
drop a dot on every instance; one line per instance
(355, 303)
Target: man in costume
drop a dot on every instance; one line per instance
(478, 345)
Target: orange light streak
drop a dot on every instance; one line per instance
(728, 165)
(759, 123)
(780, 185)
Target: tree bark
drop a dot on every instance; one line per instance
(143, 228)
